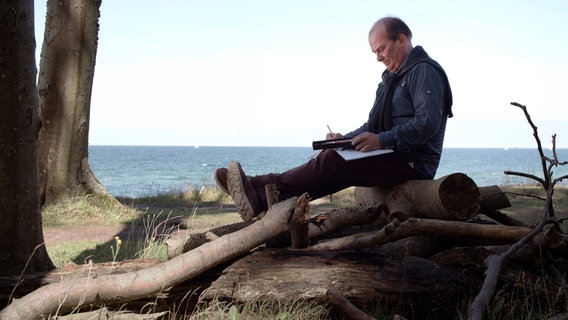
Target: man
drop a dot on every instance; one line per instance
(409, 115)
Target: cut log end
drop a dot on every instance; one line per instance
(459, 195)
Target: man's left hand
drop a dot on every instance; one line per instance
(366, 141)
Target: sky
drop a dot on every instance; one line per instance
(278, 72)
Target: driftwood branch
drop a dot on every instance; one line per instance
(318, 226)
(67, 295)
(397, 230)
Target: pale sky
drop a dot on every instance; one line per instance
(276, 72)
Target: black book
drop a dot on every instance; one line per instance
(344, 143)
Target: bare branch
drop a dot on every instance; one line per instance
(537, 139)
(494, 263)
(516, 194)
(526, 175)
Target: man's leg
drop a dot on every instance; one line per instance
(329, 173)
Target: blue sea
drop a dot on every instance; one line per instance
(136, 171)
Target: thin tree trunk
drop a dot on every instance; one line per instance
(66, 78)
(21, 236)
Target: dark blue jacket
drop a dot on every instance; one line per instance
(420, 106)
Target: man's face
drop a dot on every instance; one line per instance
(390, 52)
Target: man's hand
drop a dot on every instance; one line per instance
(333, 135)
(366, 141)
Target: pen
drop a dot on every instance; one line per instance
(328, 128)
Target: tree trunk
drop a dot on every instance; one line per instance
(21, 236)
(65, 83)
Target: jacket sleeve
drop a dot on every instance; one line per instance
(357, 131)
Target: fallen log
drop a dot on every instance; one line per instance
(397, 230)
(19, 285)
(492, 198)
(452, 197)
(417, 288)
(107, 289)
(319, 225)
(179, 245)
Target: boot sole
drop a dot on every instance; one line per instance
(237, 191)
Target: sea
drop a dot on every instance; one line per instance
(139, 171)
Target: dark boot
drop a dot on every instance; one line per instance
(244, 194)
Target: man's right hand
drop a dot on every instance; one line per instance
(331, 136)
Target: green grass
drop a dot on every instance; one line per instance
(86, 209)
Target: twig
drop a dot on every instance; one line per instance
(516, 194)
(526, 175)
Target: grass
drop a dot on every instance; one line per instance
(527, 196)
(208, 208)
(299, 310)
(86, 209)
(196, 209)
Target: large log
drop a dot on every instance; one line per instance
(415, 287)
(452, 197)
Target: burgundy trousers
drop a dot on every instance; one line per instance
(329, 173)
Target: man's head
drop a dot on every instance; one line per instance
(390, 39)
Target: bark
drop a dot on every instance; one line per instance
(21, 236)
(65, 83)
(453, 197)
(67, 295)
(418, 288)
(299, 224)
